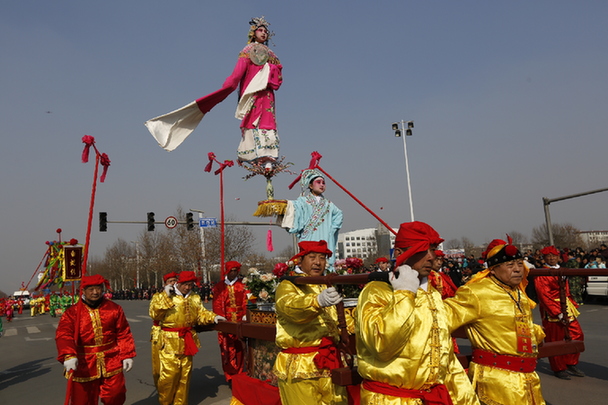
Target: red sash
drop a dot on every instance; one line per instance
(327, 356)
(437, 395)
(190, 348)
(96, 349)
(504, 361)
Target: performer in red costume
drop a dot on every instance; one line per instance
(95, 345)
(230, 301)
(554, 321)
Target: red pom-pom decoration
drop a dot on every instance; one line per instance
(511, 250)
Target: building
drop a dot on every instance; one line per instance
(365, 243)
(594, 239)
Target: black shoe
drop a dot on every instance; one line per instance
(562, 374)
(573, 370)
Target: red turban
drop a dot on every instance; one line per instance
(439, 253)
(381, 260)
(97, 279)
(415, 237)
(549, 250)
(232, 265)
(169, 275)
(186, 276)
(307, 247)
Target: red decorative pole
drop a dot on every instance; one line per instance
(102, 158)
(220, 171)
(314, 164)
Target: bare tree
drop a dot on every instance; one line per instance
(453, 244)
(564, 235)
(519, 238)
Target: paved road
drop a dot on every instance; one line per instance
(30, 373)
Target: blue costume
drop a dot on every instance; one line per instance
(314, 218)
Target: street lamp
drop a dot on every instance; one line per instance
(399, 134)
(205, 271)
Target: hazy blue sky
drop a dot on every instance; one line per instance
(509, 101)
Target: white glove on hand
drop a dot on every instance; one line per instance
(218, 318)
(329, 297)
(407, 280)
(169, 290)
(560, 316)
(127, 365)
(244, 318)
(70, 364)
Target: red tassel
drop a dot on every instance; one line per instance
(269, 246)
(105, 162)
(211, 157)
(88, 141)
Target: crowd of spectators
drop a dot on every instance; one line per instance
(460, 270)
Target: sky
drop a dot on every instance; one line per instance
(508, 100)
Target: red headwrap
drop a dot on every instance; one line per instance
(186, 276)
(415, 237)
(549, 250)
(232, 265)
(96, 279)
(381, 260)
(169, 275)
(439, 253)
(307, 247)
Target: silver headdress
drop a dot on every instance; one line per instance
(256, 23)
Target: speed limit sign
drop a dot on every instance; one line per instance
(171, 222)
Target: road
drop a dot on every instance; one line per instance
(29, 371)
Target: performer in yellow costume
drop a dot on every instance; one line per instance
(404, 349)
(156, 342)
(307, 329)
(178, 310)
(497, 315)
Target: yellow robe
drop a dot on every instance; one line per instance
(301, 322)
(175, 367)
(489, 315)
(403, 340)
(155, 341)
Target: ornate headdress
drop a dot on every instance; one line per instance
(256, 23)
(308, 176)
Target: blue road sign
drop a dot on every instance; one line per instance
(207, 222)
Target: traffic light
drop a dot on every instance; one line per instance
(103, 222)
(150, 221)
(189, 221)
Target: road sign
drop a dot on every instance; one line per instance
(207, 222)
(171, 222)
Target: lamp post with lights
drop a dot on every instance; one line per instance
(399, 133)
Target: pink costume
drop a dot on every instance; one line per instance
(258, 72)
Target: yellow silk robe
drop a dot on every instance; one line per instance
(489, 315)
(175, 367)
(403, 340)
(302, 322)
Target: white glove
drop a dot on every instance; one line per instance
(244, 318)
(407, 280)
(169, 290)
(560, 316)
(127, 364)
(329, 297)
(218, 318)
(70, 364)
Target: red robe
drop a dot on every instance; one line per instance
(547, 289)
(230, 301)
(101, 339)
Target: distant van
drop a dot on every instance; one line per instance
(597, 285)
(24, 295)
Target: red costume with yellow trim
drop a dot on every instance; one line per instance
(547, 289)
(100, 338)
(230, 301)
